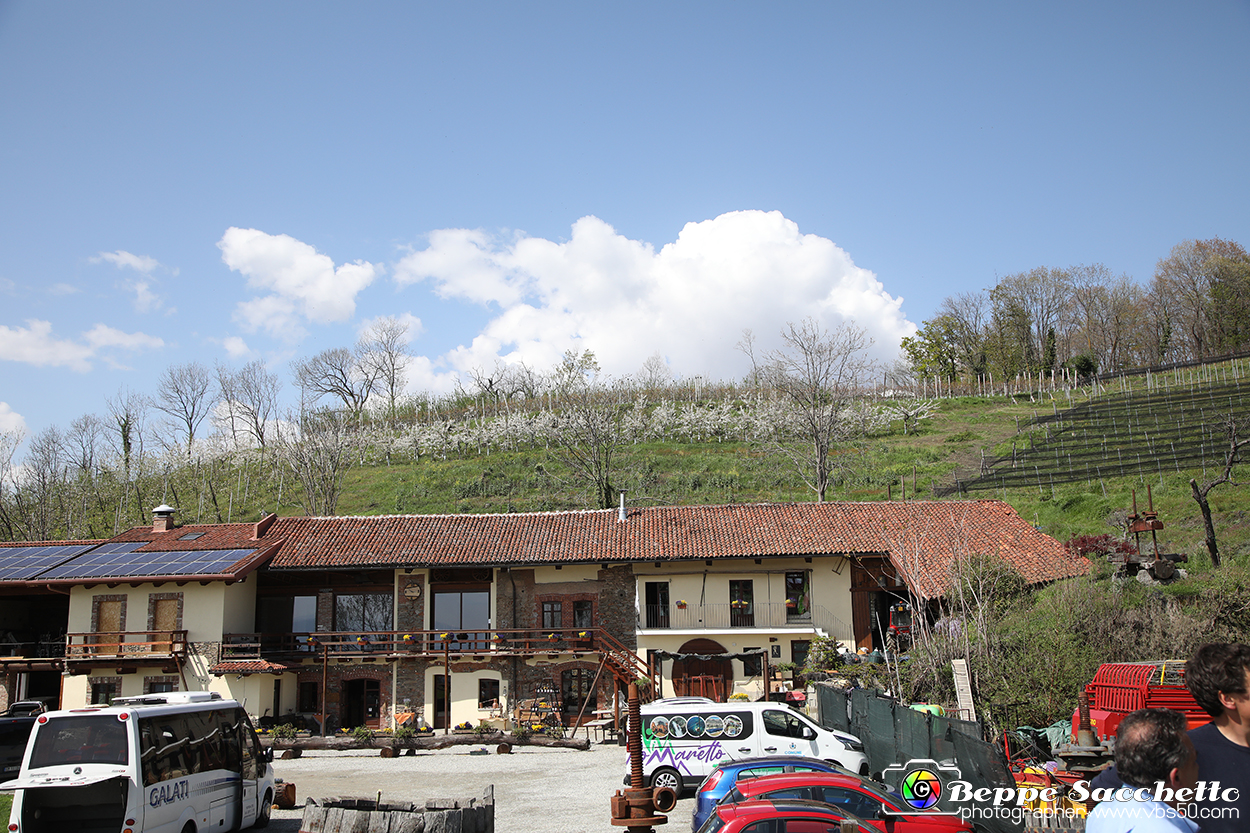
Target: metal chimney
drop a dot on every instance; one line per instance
(620, 513)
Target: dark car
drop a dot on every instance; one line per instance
(25, 708)
(722, 779)
(779, 816)
(881, 809)
(14, 731)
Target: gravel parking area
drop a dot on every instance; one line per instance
(537, 790)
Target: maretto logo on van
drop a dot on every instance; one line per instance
(169, 793)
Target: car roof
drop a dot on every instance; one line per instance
(774, 760)
(769, 807)
(781, 780)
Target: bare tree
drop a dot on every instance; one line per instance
(82, 443)
(655, 374)
(319, 457)
(40, 495)
(1188, 277)
(820, 373)
(588, 431)
(183, 395)
(340, 372)
(250, 395)
(1041, 296)
(9, 441)
(1236, 429)
(126, 411)
(384, 348)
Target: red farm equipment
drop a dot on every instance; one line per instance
(1116, 690)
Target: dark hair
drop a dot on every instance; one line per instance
(1149, 744)
(1217, 667)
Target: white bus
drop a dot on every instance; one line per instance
(186, 762)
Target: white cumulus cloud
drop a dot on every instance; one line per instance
(236, 347)
(10, 420)
(303, 284)
(690, 301)
(126, 260)
(146, 299)
(36, 345)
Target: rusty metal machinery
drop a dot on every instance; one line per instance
(1089, 754)
(1161, 566)
(639, 808)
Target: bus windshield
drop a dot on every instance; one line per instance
(99, 738)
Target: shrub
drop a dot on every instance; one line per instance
(739, 695)
(362, 733)
(404, 732)
(284, 731)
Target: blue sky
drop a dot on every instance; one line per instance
(518, 179)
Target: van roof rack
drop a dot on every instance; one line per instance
(168, 698)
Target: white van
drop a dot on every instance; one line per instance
(683, 741)
(185, 762)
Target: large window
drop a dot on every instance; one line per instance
(362, 612)
(103, 693)
(798, 599)
(742, 603)
(583, 614)
(309, 696)
(487, 694)
(277, 617)
(655, 597)
(465, 614)
(553, 615)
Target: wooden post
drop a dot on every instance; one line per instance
(325, 672)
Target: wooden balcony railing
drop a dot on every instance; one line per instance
(759, 615)
(126, 645)
(239, 646)
(431, 645)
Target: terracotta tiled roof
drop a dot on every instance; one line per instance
(206, 537)
(921, 537)
(250, 666)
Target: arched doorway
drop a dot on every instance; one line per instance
(693, 677)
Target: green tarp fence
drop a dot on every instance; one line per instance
(893, 733)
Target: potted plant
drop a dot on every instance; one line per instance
(681, 604)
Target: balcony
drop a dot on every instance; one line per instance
(732, 616)
(125, 646)
(436, 646)
(47, 653)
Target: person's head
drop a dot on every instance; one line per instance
(1218, 675)
(1152, 745)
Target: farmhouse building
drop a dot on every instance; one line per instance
(450, 618)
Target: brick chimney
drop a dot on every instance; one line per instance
(163, 518)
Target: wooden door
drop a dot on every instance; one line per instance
(108, 625)
(164, 623)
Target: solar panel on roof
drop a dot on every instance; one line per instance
(140, 564)
(23, 563)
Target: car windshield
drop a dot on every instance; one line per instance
(99, 738)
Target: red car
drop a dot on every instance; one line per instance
(780, 816)
(849, 794)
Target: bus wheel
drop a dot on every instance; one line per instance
(189, 827)
(266, 807)
(667, 777)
